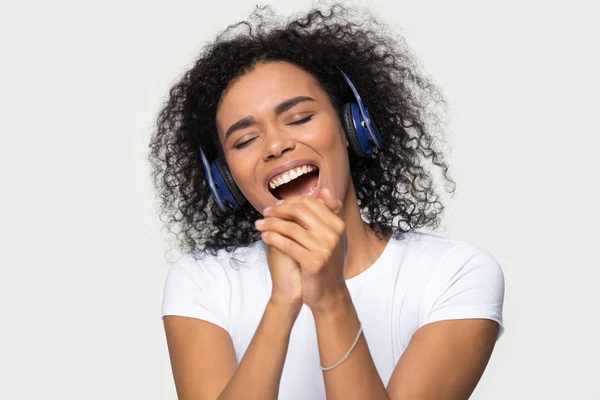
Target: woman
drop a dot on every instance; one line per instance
(304, 276)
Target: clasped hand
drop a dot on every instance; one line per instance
(311, 234)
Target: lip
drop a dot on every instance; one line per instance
(288, 165)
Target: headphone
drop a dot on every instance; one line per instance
(361, 132)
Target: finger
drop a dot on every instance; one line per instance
(299, 212)
(302, 204)
(312, 214)
(286, 245)
(287, 228)
(324, 210)
(315, 203)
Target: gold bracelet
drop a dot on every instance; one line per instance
(348, 353)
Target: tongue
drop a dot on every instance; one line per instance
(298, 187)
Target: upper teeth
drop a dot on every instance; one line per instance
(290, 175)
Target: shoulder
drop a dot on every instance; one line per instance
(438, 269)
(214, 275)
(436, 256)
(459, 280)
(220, 265)
(210, 286)
(466, 260)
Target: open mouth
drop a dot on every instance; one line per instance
(302, 185)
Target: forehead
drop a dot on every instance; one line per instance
(264, 87)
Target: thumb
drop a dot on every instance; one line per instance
(330, 201)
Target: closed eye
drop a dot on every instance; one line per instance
(244, 144)
(302, 121)
(299, 122)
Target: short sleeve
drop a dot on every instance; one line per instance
(469, 284)
(193, 288)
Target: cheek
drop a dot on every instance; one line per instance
(243, 172)
(328, 134)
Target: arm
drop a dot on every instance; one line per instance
(204, 363)
(356, 377)
(444, 360)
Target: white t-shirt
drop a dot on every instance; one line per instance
(417, 280)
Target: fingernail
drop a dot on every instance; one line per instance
(266, 210)
(279, 201)
(259, 222)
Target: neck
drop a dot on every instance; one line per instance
(364, 247)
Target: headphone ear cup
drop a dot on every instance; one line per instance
(229, 182)
(351, 135)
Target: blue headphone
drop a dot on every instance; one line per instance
(361, 132)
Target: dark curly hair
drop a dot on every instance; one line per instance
(394, 189)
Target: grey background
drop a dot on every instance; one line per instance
(83, 256)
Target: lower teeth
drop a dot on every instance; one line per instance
(311, 191)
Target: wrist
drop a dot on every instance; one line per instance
(338, 302)
(285, 308)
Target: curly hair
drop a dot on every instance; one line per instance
(393, 189)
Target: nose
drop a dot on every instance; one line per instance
(276, 144)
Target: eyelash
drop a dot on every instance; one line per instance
(299, 122)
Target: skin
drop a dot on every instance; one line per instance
(275, 141)
(306, 239)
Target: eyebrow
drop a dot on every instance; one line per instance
(279, 109)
